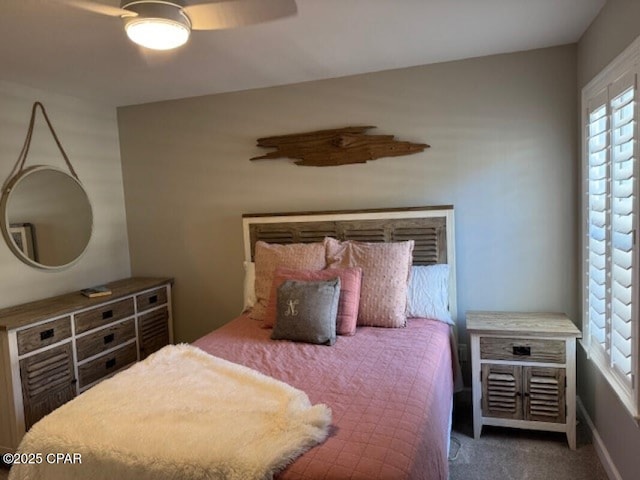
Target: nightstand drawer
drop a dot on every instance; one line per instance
(44, 334)
(522, 350)
(103, 315)
(107, 364)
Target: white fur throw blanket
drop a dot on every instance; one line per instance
(180, 414)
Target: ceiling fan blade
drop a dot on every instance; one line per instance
(236, 13)
(99, 8)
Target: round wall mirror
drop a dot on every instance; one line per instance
(47, 218)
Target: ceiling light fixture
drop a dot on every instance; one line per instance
(157, 25)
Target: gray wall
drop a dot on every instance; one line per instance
(613, 30)
(503, 136)
(89, 134)
(617, 25)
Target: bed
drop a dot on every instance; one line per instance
(389, 390)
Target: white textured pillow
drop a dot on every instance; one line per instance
(249, 286)
(428, 294)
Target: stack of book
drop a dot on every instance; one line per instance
(99, 291)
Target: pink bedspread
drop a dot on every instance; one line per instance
(390, 391)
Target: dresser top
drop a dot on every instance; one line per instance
(27, 313)
(541, 324)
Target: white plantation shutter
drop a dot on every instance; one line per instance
(623, 143)
(611, 213)
(598, 205)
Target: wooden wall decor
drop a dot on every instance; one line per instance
(340, 146)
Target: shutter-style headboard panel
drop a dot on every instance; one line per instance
(432, 229)
(429, 234)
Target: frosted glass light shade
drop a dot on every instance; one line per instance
(157, 33)
(156, 24)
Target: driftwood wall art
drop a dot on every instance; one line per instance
(340, 146)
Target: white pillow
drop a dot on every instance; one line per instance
(249, 285)
(428, 293)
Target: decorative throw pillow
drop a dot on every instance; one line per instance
(428, 295)
(269, 256)
(307, 311)
(249, 286)
(385, 274)
(350, 279)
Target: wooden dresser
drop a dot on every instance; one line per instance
(52, 350)
(524, 371)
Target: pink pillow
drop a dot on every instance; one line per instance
(269, 256)
(385, 277)
(350, 279)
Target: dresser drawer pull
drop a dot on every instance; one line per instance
(153, 299)
(110, 363)
(107, 314)
(109, 338)
(522, 351)
(46, 334)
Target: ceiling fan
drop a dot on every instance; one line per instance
(167, 24)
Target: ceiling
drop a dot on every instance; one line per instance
(54, 47)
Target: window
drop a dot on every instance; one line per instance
(610, 253)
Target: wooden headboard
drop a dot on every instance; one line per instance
(431, 228)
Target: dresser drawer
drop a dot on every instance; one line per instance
(151, 299)
(104, 339)
(107, 364)
(522, 350)
(42, 335)
(103, 315)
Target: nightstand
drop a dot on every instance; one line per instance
(524, 371)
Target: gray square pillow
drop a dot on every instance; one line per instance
(307, 311)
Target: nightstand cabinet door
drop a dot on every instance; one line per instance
(48, 381)
(501, 391)
(534, 394)
(544, 399)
